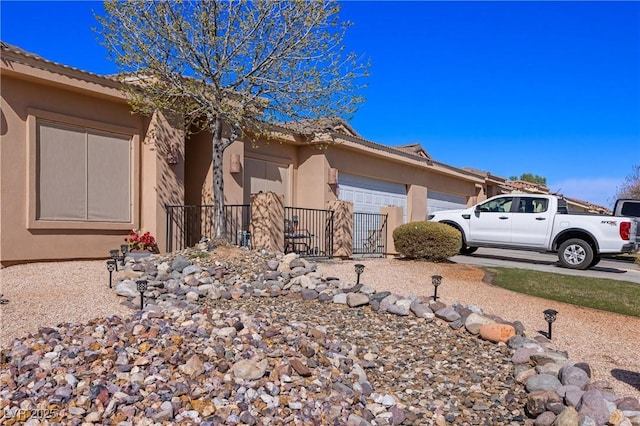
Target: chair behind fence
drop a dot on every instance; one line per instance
(308, 232)
(370, 234)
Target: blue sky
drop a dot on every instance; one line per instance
(550, 88)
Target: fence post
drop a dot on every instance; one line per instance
(168, 228)
(342, 228)
(267, 221)
(394, 219)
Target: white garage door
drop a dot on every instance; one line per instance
(437, 201)
(368, 195)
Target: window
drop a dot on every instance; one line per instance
(532, 205)
(82, 174)
(502, 205)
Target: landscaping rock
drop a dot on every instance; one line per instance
(497, 332)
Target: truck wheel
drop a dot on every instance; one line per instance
(575, 254)
(468, 250)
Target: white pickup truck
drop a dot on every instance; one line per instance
(542, 223)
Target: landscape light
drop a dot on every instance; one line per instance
(111, 266)
(359, 270)
(436, 280)
(142, 286)
(124, 248)
(115, 256)
(550, 317)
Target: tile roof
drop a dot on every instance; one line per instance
(17, 51)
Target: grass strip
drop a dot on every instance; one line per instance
(622, 297)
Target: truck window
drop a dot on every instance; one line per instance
(630, 209)
(540, 205)
(498, 205)
(532, 205)
(562, 206)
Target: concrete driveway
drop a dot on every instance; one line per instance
(548, 262)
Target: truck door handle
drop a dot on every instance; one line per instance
(503, 217)
(541, 218)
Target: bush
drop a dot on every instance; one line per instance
(427, 240)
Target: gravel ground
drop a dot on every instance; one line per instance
(46, 294)
(609, 342)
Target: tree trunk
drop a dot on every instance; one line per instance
(218, 181)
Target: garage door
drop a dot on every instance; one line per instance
(437, 201)
(368, 195)
(265, 176)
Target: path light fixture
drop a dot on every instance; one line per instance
(142, 286)
(115, 256)
(550, 317)
(359, 270)
(124, 248)
(111, 266)
(436, 280)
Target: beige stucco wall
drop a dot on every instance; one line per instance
(311, 188)
(154, 182)
(416, 203)
(161, 183)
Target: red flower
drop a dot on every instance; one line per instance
(138, 241)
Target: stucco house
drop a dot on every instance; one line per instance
(78, 170)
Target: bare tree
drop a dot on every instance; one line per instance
(630, 188)
(233, 67)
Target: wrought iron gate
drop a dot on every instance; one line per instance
(308, 232)
(186, 225)
(370, 234)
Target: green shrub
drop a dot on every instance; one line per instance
(427, 240)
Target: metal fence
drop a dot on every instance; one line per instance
(308, 232)
(186, 225)
(370, 234)
(237, 218)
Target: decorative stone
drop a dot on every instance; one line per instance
(179, 263)
(575, 376)
(542, 382)
(127, 288)
(448, 314)
(249, 369)
(308, 294)
(474, 321)
(497, 332)
(357, 299)
(545, 419)
(523, 355)
(421, 310)
(568, 417)
(593, 405)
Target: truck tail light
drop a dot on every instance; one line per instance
(625, 230)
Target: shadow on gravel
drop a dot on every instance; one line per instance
(631, 378)
(544, 333)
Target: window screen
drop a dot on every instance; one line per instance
(82, 174)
